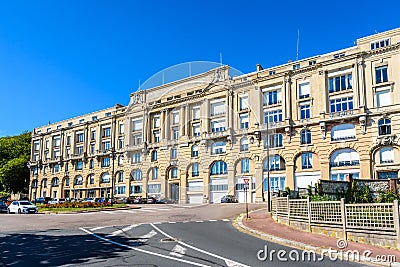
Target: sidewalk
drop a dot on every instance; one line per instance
(261, 224)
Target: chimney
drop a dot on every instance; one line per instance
(259, 67)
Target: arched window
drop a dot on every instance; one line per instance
(67, 181)
(154, 155)
(343, 132)
(195, 170)
(275, 163)
(154, 173)
(78, 180)
(344, 157)
(174, 172)
(385, 126)
(305, 137)
(245, 165)
(120, 177)
(218, 147)
(386, 155)
(91, 164)
(44, 183)
(219, 167)
(244, 144)
(34, 183)
(91, 178)
(120, 160)
(106, 177)
(55, 182)
(136, 175)
(195, 151)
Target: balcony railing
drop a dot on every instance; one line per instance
(388, 161)
(341, 138)
(345, 163)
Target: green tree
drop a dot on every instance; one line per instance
(14, 156)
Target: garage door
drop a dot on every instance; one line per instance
(195, 199)
(218, 189)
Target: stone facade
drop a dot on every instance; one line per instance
(199, 138)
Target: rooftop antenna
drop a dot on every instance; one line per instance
(297, 47)
(220, 58)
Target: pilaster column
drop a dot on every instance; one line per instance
(289, 175)
(258, 179)
(360, 86)
(205, 115)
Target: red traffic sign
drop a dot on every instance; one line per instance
(246, 180)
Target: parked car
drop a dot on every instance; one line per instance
(229, 199)
(138, 200)
(89, 199)
(151, 200)
(3, 206)
(57, 201)
(120, 200)
(22, 207)
(43, 200)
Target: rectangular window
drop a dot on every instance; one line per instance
(174, 153)
(137, 125)
(196, 113)
(175, 133)
(137, 139)
(137, 157)
(105, 162)
(136, 189)
(340, 83)
(305, 112)
(154, 188)
(120, 190)
(275, 140)
(383, 98)
(277, 183)
(218, 125)
(175, 117)
(273, 116)
(306, 160)
(156, 121)
(272, 97)
(106, 145)
(57, 141)
(244, 121)
(56, 153)
(380, 44)
(121, 128)
(68, 140)
(381, 74)
(80, 137)
(341, 104)
(93, 135)
(218, 108)
(196, 129)
(156, 135)
(386, 155)
(36, 145)
(79, 150)
(243, 102)
(195, 170)
(304, 90)
(79, 165)
(174, 172)
(107, 132)
(296, 66)
(121, 142)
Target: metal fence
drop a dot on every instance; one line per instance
(376, 218)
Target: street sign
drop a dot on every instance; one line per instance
(246, 180)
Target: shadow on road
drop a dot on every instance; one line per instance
(53, 248)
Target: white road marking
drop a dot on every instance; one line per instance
(171, 222)
(147, 236)
(144, 251)
(199, 221)
(178, 251)
(226, 220)
(200, 250)
(122, 230)
(146, 210)
(212, 220)
(129, 211)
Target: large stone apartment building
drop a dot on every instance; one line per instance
(196, 139)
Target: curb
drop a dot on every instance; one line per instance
(238, 223)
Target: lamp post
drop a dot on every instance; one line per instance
(246, 186)
(112, 156)
(268, 184)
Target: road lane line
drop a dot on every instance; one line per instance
(226, 220)
(147, 210)
(129, 211)
(118, 232)
(212, 220)
(143, 251)
(178, 251)
(226, 260)
(108, 212)
(98, 228)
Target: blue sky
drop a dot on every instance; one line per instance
(60, 59)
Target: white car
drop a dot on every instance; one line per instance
(22, 206)
(57, 201)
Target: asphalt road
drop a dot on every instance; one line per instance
(206, 240)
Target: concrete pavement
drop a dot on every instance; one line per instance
(261, 224)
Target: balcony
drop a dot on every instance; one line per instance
(343, 138)
(218, 151)
(345, 163)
